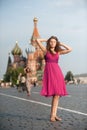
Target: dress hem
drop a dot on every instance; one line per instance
(54, 95)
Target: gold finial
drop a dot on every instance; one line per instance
(35, 20)
(16, 42)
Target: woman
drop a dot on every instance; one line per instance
(28, 80)
(53, 80)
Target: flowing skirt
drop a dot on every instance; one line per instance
(53, 81)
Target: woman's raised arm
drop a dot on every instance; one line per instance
(39, 42)
(66, 49)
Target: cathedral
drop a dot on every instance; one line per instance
(34, 58)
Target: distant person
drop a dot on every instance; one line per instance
(53, 79)
(78, 81)
(23, 82)
(19, 82)
(27, 70)
(34, 83)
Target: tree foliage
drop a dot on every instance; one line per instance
(12, 74)
(69, 76)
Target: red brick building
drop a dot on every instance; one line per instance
(35, 59)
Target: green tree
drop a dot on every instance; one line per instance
(69, 76)
(12, 74)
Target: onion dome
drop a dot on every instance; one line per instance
(31, 49)
(16, 50)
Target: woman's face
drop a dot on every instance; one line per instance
(52, 43)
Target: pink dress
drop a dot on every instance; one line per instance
(53, 79)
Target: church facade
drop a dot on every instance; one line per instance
(34, 57)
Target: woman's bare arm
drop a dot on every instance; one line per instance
(66, 49)
(39, 42)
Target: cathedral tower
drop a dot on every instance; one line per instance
(35, 34)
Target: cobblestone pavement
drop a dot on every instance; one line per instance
(20, 112)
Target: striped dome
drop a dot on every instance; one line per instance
(16, 50)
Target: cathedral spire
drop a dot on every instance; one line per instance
(9, 62)
(35, 34)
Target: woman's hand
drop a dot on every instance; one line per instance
(66, 49)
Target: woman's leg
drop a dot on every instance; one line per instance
(55, 101)
(28, 85)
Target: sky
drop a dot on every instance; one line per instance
(66, 19)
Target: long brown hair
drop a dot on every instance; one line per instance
(57, 47)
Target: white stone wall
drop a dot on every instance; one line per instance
(81, 80)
